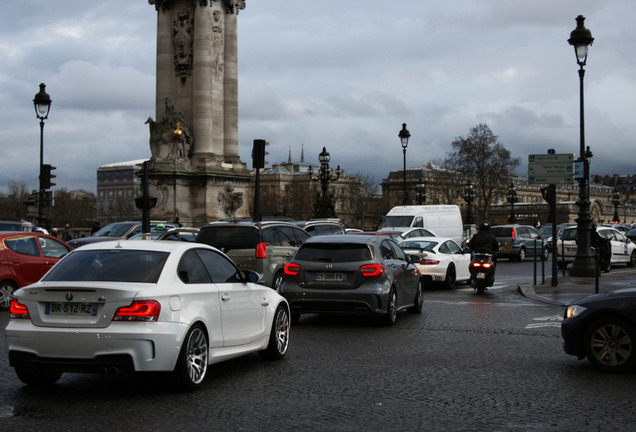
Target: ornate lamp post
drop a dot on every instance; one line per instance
(616, 200)
(420, 189)
(42, 104)
(324, 207)
(469, 197)
(512, 199)
(583, 265)
(404, 139)
(626, 204)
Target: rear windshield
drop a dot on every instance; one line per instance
(109, 266)
(569, 234)
(227, 238)
(501, 231)
(425, 245)
(397, 221)
(333, 253)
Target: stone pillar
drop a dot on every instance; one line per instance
(202, 83)
(230, 141)
(164, 86)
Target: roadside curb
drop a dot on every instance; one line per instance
(529, 292)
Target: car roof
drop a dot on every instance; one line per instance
(249, 223)
(347, 238)
(146, 245)
(435, 239)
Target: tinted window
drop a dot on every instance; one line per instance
(425, 245)
(569, 234)
(23, 246)
(398, 252)
(191, 269)
(227, 238)
(333, 252)
(109, 266)
(501, 231)
(397, 221)
(220, 268)
(287, 236)
(387, 251)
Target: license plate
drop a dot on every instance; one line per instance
(481, 275)
(337, 277)
(54, 308)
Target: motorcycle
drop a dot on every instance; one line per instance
(482, 271)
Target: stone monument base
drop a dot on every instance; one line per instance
(194, 197)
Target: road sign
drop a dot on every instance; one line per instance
(551, 168)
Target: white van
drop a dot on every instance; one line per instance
(443, 220)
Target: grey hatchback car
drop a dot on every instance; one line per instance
(518, 241)
(352, 274)
(264, 247)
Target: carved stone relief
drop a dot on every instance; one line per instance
(183, 39)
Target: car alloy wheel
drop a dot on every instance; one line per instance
(193, 359)
(609, 344)
(279, 335)
(391, 308)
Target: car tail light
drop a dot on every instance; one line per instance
(425, 261)
(291, 269)
(372, 271)
(514, 234)
(139, 310)
(18, 311)
(261, 252)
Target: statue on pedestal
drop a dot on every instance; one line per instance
(170, 138)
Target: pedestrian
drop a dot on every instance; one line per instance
(96, 227)
(54, 232)
(66, 234)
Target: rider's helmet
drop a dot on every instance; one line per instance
(484, 226)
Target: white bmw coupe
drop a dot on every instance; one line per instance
(143, 306)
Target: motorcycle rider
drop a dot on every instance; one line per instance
(485, 242)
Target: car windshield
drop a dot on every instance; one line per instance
(113, 230)
(569, 234)
(334, 252)
(110, 265)
(424, 245)
(397, 221)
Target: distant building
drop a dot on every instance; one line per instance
(117, 187)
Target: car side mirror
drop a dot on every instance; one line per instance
(250, 276)
(414, 259)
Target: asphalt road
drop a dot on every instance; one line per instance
(468, 363)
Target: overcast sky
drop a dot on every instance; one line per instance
(344, 74)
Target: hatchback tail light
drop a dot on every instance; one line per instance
(139, 310)
(261, 251)
(18, 311)
(514, 234)
(372, 271)
(291, 269)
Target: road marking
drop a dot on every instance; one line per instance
(549, 321)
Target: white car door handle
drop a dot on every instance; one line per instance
(225, 297)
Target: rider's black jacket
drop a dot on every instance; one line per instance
(484, 241)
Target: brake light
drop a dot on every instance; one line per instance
(261, 252)
(372, 271)
(428, 262)
(514, 234)
(139, 310)
(484, 265)
(18, 311)
(291, 269)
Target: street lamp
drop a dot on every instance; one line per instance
(626, 204)
(42, 104)
(469, 197)
(404, 139)
(512, 199)
(584, 264)
(616, 200)
(325, 174)
(420, 189)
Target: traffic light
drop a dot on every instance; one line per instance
(46, 176)
(145, 203)
(548, 192)
(258, 153)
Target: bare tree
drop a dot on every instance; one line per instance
(481, 158)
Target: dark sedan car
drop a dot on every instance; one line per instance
(602, 328)
(352, 274)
